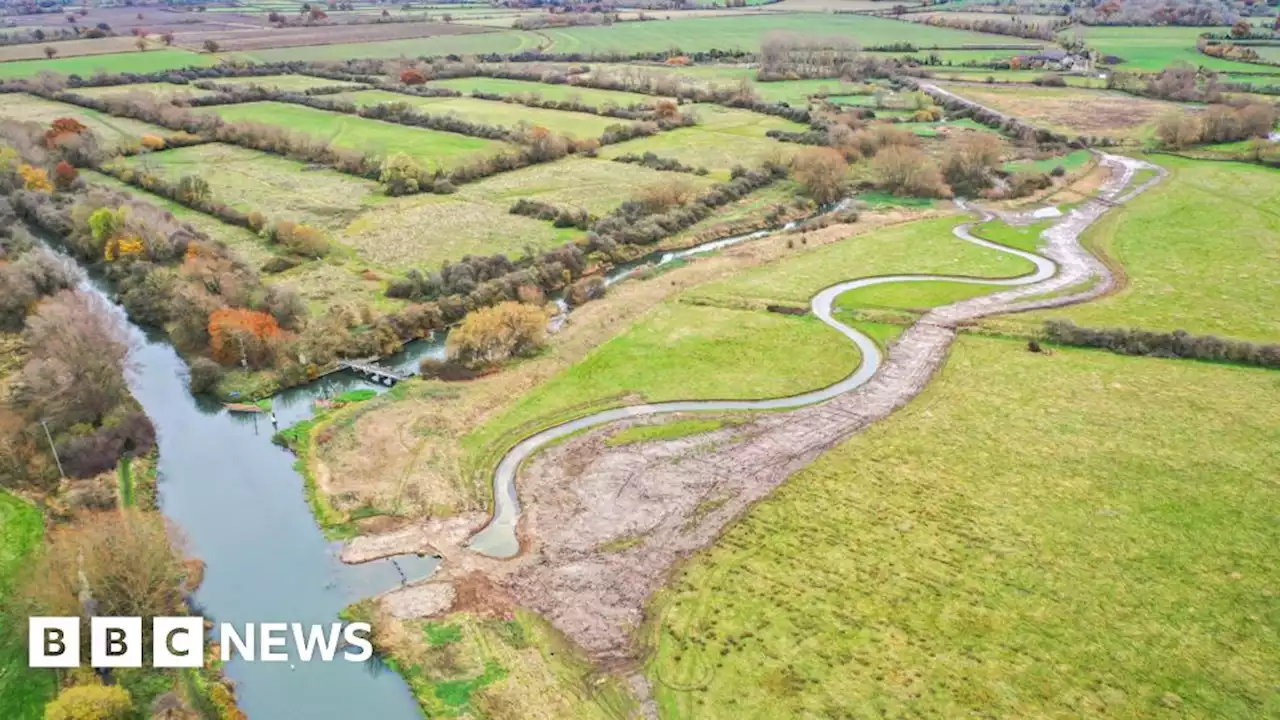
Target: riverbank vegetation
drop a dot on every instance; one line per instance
(1146, 501)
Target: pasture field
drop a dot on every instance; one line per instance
(423, 231)
(511, 41)
(793, 92)
(684, 351)
(1073, 111)
(727, 33)
(285, 83)
(1071, 162)
(277, 187)
(1200, 252)
(111, 131)
(1011, 76)
(510, 115)
(1034, 536)
(432, 148)
(69, 48)
(89, 65)
(723, 138)
(596, 186)
(702, 147)
(925, 246)
(23, 691)
(1150, 49)
(161, 90)
(591, 96)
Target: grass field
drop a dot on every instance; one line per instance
(279, 188)
(590, 96)
(727, 33)
(1200, 252)
(511, 41)
(166, 91)
(926, 246)
(1155, 48)
(89, 65)
(1073, 111)
(1008, 545)
(423, 231)
(430, 147)
(285, 83)
(111, 131)
(723, 138)
(1071, 162)
(23, 691)
(682, 351)
(68, 48)
(574, 124)
(597, 186)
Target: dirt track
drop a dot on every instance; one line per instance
(662, 501)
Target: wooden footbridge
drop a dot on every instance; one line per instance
(369, 368)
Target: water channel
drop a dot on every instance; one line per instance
(242, 508)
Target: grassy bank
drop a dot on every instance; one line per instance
(1008, 545)
(23, 691)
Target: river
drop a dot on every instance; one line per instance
(242, 508)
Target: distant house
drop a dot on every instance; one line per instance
(1053, 60)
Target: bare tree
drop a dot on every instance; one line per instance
(77, 357)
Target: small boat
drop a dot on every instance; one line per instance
(242, 407)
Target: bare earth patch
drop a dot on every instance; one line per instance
(1072, 111)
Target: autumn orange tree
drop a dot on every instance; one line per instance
(63, 129)
(240, 334)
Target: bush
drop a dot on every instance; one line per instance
(205, 376)
(91, 702)
(908, 171)
(492, 335)
(1026, 182)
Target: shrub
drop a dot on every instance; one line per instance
(822, 172)
(908, 171)
(412, 76)
(91, 702)
(205, 375)
(64, 175)
(237, 335)
(492, 335)
(1026, 182)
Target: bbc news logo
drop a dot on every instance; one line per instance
(178, 642)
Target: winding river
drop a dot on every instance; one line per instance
(498, 539)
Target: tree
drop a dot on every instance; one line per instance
(491, 335)
(412, 76)
(91, 702)
(822, 172)
(141, 43)
(193, 189)
(35, 179)
(119, 564)
(211, 46)
(1241, 29)
(64, 175)
(400, 174)
(62, 130)
(969, 158)
(1178, 130)
(77, 353)
(907, 171)
(50, 51)
(241, 336)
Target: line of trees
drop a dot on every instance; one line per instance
(558, 216)
(1035, 30)
(1176, 344)
(654, 162)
